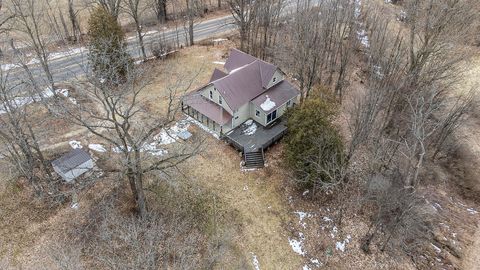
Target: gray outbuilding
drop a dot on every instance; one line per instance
(73, 164)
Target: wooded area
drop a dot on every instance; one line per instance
(383, 105)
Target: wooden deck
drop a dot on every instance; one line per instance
(260, 140)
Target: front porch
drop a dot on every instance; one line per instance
(247, 139)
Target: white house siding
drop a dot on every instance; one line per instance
(276, 78)
(241, 115)
(74, 173)
(216, 95)
(262, 119)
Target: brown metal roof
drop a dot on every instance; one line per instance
(238, 59)
(207, 108)
(217, 74)
(247, 80)
(239, 87)
(280, 94)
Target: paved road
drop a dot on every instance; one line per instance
(72, 65)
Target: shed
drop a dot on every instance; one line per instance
(73, 164)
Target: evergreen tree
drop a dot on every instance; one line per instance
(108, 57)
(313, 146)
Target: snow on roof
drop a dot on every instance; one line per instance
(268, 104)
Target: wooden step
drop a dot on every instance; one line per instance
(254, 159)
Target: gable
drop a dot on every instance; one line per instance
(205, 92)
(276, 78)
(238, 59)
(240, 87)
(217, 74)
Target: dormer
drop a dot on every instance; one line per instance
(277, 77)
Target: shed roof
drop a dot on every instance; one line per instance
(71, 160)
(280, 94)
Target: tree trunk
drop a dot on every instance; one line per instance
(162, 11)
(190, 31)
(140, 41)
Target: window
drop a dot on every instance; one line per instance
(220, 101)
(236, 117)
(257, 113)
(274, 79)
(211, 94)
(271, 116)
(289, 103)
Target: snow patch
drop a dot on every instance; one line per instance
(152, 149)
(437, 249)
(316, 262)
(268, 104)
(119, 150)
(341, 245)
(75, 144)
(305, 192)
(301, 216)
(363, 37)
(250, 130)
(18, 102)
(170, 136)
(297, 245)
(97, 147)
(255, 262)
(7, 67)
(305, 267)
(472, 211)
(327, 219)
(73, 51)
(334, 231)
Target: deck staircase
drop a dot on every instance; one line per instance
(254, 159)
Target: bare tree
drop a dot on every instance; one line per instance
(72, 14)
(112, 6)
(17, 132)
(135, 9)
(315, 47)
(243, 12)
(160, 8)
(409, 107)
(193, 10)
(120, 119)
(29, 21)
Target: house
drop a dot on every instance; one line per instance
(249, 89)
(244, 103)
(73, 164)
